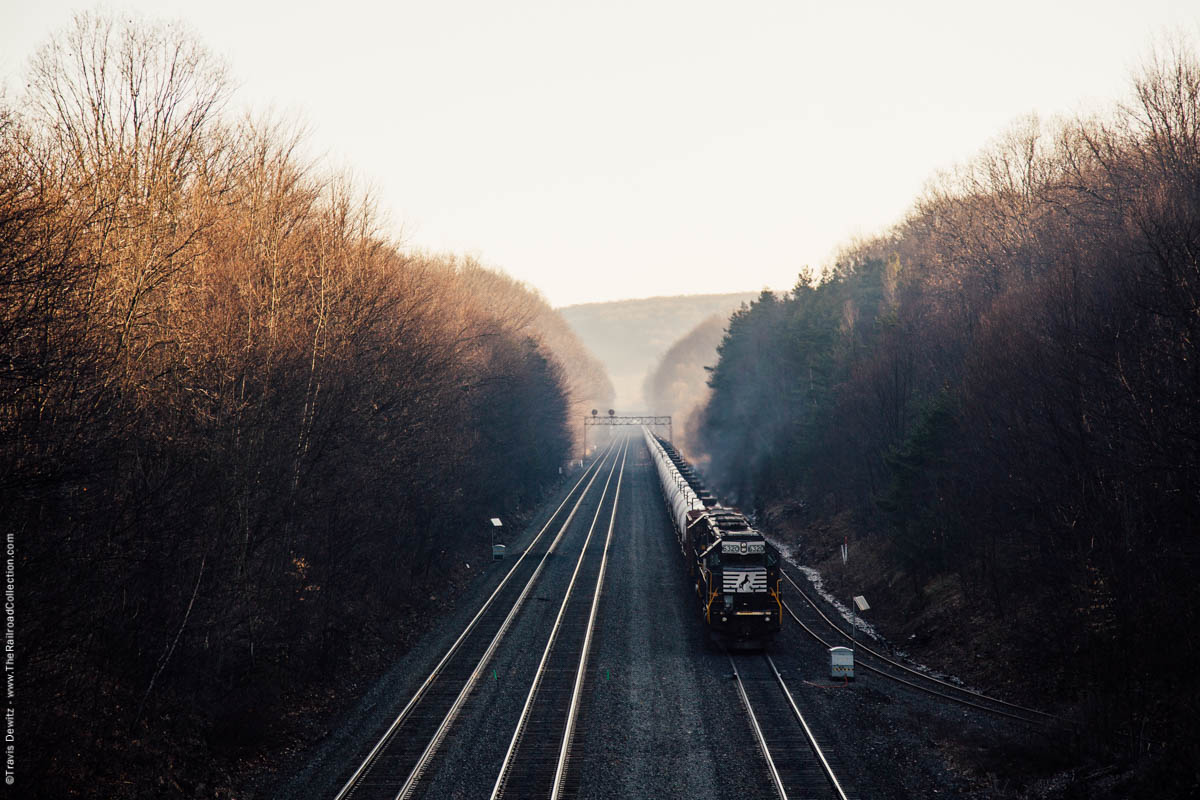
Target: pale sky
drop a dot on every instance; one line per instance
(626, 149)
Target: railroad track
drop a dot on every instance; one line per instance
(401, 756)
(538, 757)
(797, 765)
(880, 664)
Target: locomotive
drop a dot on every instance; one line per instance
(735, 570)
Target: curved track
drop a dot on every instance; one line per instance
(883, 666)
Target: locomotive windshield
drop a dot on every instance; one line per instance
(748, 560)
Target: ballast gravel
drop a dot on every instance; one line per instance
(661, 716)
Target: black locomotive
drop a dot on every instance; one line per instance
(735, 570)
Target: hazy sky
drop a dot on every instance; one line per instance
(610, 150)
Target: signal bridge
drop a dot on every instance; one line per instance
(651, 421)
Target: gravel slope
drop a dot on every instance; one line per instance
(886, 740)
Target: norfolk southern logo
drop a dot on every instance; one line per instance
(753, 579)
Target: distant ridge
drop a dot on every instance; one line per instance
(630, 336)
(666, 300)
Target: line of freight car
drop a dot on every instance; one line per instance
(734, 569)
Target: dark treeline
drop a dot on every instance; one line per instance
(240, 430)
(1005, 389)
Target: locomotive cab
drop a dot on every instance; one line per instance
(745, 576)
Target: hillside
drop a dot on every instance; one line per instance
(678, 383)
(630, 336)
(995, 403)
(240, 428)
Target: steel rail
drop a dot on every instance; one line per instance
(912, 685)
(812, 740)
(560, 771)
(539, 674)
(979, 695)
(758, 734)
(436, 740)
(421, 691)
